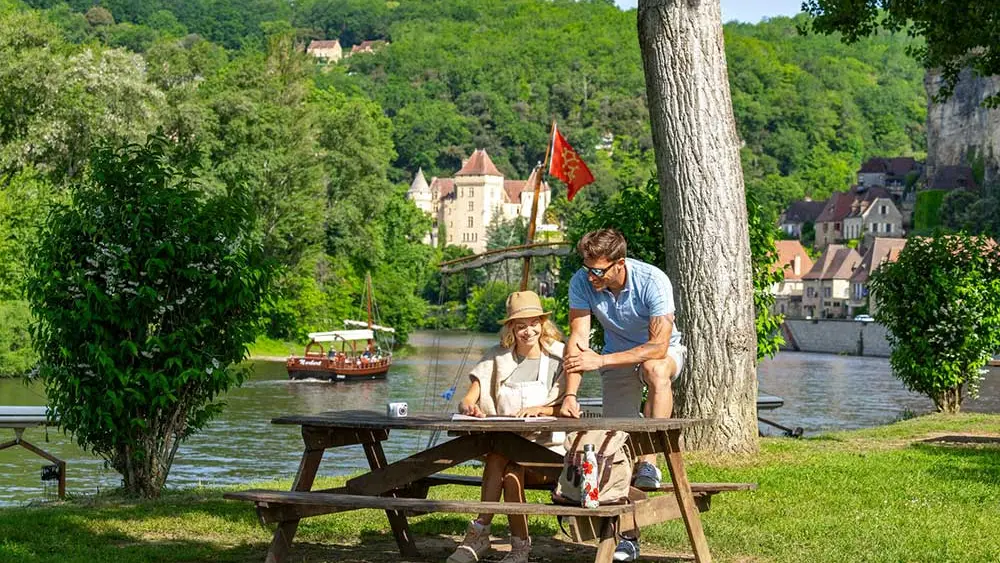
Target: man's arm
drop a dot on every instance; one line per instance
(579, 338)
(660, 329)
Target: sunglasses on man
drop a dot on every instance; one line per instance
(598, 272)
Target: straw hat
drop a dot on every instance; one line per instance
(524, 305)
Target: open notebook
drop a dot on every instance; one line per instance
(514, 418)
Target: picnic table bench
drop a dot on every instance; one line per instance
(401, 488)
(21, 418)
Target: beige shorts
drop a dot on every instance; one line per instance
(621, 388)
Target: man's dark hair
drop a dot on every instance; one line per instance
(606, 243)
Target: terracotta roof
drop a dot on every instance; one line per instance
(787, 251)
(883, 249)
(952, 177)
(837, 207)
(803, 211)
(367, 46)
(837, 262)
(898, 166)
(479, 164)
(443, 186)
(323, 44)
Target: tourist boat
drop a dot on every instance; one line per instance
(343, 359)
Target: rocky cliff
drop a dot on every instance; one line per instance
(961, 128)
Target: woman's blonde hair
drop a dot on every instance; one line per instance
(550, 332)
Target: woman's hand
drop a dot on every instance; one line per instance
(534, 411)
(471, 409)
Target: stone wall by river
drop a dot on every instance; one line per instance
(831, 336)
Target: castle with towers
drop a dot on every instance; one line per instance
(466, 204)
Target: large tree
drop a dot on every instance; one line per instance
(957, 33)
(704, 217)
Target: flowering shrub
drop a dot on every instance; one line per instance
(146, 292)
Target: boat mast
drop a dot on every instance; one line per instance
(368, 304)
(530, 237)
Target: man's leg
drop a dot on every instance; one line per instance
(660, 396)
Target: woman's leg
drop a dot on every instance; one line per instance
(493, 475)
(513, 491)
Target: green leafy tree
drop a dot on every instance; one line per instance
(488, 306)
(146, 293)
(16, 354)
(956, 33)
(941, 305)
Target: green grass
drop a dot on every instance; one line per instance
(874, 495)
(267, 347)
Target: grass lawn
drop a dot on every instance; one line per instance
(883, 494)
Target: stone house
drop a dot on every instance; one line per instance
(868, 219)
(794, 262)
(368, 46)
(466, 203)
(881, 251)
(830, 223)
(798, 214)
(827, 286)
(326, 51)
(890, 173)
(953, 177)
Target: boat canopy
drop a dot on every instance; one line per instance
(374, 326)
(335, 335)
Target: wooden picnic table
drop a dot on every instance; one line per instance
(400, 488)
(20, 418)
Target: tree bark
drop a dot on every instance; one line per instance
(704, 218)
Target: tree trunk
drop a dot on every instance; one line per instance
(949, 401)
(704, 218)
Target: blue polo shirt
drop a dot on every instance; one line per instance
(647, 293)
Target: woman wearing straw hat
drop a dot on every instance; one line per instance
(522, 376)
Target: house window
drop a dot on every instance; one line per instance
(471, 224)
(449, 238)
(461, 192)
(827, 292)
(873, 227)
(472, 205)
(836, 226)
(810, 292)
(884, 209)
(888, 227)
(472, 192)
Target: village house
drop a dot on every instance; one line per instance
(830, 223)
(794, 262)
(827, 286)
(881, 251)
(891, 173)
(798, 214)
(953, 177)
(326, 51)
(868, 219)
(466, 204)
(368, 46)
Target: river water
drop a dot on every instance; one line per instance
(821, 392)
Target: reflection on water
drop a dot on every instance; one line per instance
(242, 446)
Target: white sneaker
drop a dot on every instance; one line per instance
(647, 476)
(519, 550)
(475, 544)
(627, 550)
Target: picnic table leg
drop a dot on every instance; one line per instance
(608, 541)
(685, 499)
(397, 520)
(285, 531)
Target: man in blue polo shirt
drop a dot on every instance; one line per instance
(634, 303)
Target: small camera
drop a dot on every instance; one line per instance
(396, 410)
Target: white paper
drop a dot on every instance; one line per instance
(457, 416)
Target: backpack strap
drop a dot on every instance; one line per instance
(607, 440)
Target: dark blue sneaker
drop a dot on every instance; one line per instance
(627, 550)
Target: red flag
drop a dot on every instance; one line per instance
(567, 165)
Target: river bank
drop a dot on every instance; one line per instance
(893, 493)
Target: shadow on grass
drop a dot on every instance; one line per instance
(213, 529)
(971, 460)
